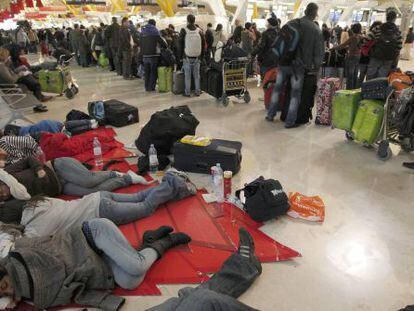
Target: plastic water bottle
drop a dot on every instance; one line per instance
(97, 152)
(41, 155)
(153, 159)
(218, 186)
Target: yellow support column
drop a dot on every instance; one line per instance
(167, 7)
(255, 14)
(296, 7)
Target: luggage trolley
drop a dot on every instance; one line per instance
(389, 132)
(235, 80)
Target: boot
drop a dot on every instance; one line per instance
(169, 241)
(409, 165)
(247, 248)
(150, 236)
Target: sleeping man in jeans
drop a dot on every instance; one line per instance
(309, 56)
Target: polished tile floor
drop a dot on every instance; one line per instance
(360, 258)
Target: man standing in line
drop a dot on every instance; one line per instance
(308, 57)
(385, 52)
(112, 39)
(191, 51)
(125, 48)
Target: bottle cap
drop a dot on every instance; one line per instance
(228, 174)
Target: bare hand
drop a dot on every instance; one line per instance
(41, 173)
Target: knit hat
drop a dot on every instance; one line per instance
(272, 21)
(17, 190)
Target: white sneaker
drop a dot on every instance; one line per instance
(137, 179)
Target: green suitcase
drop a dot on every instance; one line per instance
(368, 121)
(165, 79)
(344, 108)
(54, 81)
(103, 61)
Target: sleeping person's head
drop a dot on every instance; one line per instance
(4, 192)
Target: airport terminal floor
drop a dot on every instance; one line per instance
(360, 258)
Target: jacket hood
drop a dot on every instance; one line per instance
(150, 30)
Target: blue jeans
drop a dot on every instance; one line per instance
(378, 68)
(77, 180)
(220, 292)
(351, 72)
(297, 76)
(363, 68)
(126, 208)
(128, 265)
(191, 68)
(151, 73)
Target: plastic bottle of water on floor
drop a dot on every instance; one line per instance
(218, 186)
(153, 159)
(97, 152)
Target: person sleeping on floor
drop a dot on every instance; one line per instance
(42, 216)
(75, 266)
(63, 176)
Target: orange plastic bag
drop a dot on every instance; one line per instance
(307, 208)
(399, 80)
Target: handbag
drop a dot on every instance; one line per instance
(264, 199)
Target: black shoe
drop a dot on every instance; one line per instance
(151, 236)
(246, 248)
(268, 119)
(39, 109)
(169, 241)
(185, 95)
(292, 126)
(409, 165)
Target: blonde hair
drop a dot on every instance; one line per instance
(4, 54)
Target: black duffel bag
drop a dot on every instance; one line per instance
(264, 199)
(165, 128)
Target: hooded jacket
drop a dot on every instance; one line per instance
(54, 270)
(375, 34)
(262, 50)
(150, 40)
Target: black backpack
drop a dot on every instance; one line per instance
(287, 42)
(77, 115)
(165, 128)
(265, 199)
(167, 58)
(386, 47)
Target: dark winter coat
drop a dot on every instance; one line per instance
(264, 55)
(150, 41)
(60, 269)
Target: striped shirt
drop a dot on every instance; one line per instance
(375, 34)
(19, 147)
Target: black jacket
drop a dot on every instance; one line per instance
(112, 35)
(124, 39)
(209, 38)
(150, 40)
(237, 34)
(264, 56)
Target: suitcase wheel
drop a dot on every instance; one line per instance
(225, 100)
(69, 94)
(349, 135)
(246, 97)
(384, 152)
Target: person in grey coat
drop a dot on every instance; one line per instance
(77, 265)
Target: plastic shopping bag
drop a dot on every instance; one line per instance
(307, 208)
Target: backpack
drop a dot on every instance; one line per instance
(386, 47)
(167, 58)
(192, 43)
(99, 40)
(77, 115)
(165, 128)
(401, 108)
(264, 199)
(96, 110)
(286, 43)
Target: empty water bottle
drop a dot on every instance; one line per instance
(97, 152)
(218, 186)
(153, 159)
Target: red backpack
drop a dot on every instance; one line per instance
(367, 47)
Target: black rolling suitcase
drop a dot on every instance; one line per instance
(215, 83)
(120, 114)
(190, 158)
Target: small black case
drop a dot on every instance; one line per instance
(120, 114)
